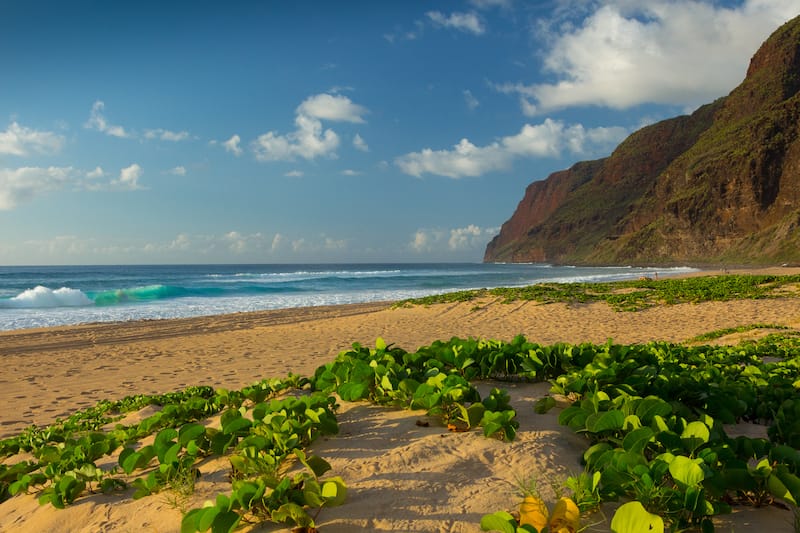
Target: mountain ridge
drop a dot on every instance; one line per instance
(719, 185)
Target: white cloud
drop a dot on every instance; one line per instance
(309, 140)
(466, 22)
(128, 179)
(470, 100)
(468, 238)
(178, 171)
(21, 141)
(421, 241)
(334, 107)
(96, 173)
(360, 144)
(294, 174)
(351, 172)
(232, 145)
(548, 139)
(166, 135)
(181, 242)
(678, 52)
(22, 184)
(97, 121)
(238, 243)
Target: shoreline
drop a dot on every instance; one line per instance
(265, 317)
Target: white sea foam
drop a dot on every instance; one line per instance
(41, 296)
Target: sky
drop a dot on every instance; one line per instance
(144, 132)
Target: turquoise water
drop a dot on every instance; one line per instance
(59, 295)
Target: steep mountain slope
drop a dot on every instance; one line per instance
(720, 185)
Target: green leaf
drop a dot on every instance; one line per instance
(291, 512)
(312, 496)
(686, 472)
(352, 392)
(594, 452)
(636, 441)
(500, 521)
(475, 414)
(605, 421)
(190, 432)
(206, 518)
(651, 407)
(544, 404)
(778, 489)
(791, 481)
(380, 344)
(695, 435)
(334, 491)
(190, 521)
(314, 463)
(632, 517)
(236, 426)
(171, 455)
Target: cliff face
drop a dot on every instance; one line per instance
(720, 185)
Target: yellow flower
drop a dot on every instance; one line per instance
(533, 512)
(566, 517)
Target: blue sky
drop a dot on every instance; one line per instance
(238, 132)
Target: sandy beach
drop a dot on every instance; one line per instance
(401, 476)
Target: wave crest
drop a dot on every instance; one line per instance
(41, 296)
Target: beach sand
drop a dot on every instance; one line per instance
(401, 476)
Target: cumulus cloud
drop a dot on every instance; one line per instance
(360, 144)
(21, 141)
(98, 172)
(468, 238)
(466, 22)
(294, 174)
(232, 145)
(333, 107)
(624, 53)
(309, 140)
(97, 121)
(23, 184)
(128, 179)
(178, 171)
(548, 139)
(166, 135)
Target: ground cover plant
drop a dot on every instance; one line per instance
(653, 418)
(633, 295)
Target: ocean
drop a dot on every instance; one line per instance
(41, 296)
